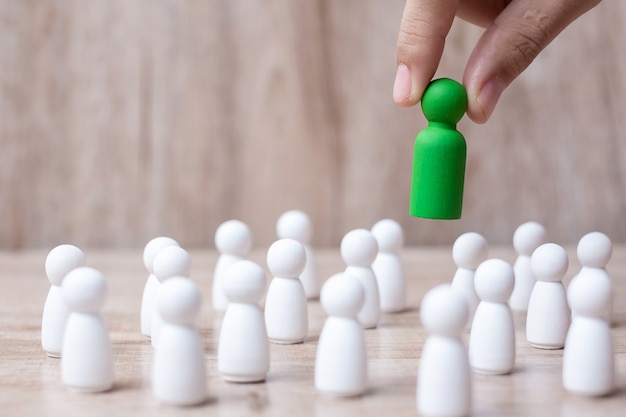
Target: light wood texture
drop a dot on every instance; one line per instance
(30, 382)
(122, 120)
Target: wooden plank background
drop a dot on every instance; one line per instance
(125, 119)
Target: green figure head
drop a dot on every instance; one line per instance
(439, 153)
(444, 101)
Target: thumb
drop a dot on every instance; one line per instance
(510, 44)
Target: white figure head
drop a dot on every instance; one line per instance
(469, 250)
(589, 297)
(527, 237)
(444, 311)
(494, 281)
(389, 236)
(179, 301)
(244, 282)
(549, 262)
(171, 261)
(233, 237)
(61, 260)
(84, 290)
(296, 225)
(359, 248)
(286, 258)
(342, 296)
(153, 247)
(594, 250)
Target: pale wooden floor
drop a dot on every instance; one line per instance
(30, 381)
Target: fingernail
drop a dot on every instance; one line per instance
(402, 85)
(489, 95)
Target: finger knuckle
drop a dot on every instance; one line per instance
(528, 40)
(411, 41)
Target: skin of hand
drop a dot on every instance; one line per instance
(516, 32)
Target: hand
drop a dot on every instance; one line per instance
(517, 30)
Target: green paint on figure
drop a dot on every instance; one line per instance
(439, 153)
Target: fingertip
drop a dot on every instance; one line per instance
(421, 78)
(402, 87)
(409, 85)
(406, 103)
(476, 113)
(482, 101)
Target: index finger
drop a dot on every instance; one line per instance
(423, 30)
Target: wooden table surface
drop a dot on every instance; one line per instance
(30, 382)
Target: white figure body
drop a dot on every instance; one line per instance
(148, 301)
(233, 241)
(443, 378)
(341, 358)
(243, 353)
(548, 316)
(359, 250)
(492, 340)
(589, 357)
(59, 262)
(286, 315)
(169, 262)
(87, 362)
(527, 237)
(178, 370)
(468, 251)
(594, 252)
(388, 267)
(296, 225)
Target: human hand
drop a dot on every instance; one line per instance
(517, 30)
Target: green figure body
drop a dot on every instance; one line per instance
(439, 153)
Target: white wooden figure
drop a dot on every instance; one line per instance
(594, 252)
(492, 339)
(341, 358)
(178, 369)
(388, 266)
(548, 316)
(243, 353)
(589, 356)
(148, 299)
(59, 262)
(169, 262)
(233, 241)
(359, 250)
(297, 225)
(286, 315)
(87, 363)
(444, 377)
(527, 237)
(468, 251)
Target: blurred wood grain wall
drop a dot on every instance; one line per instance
(121, 120)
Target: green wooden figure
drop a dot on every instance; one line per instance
(439, 153)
